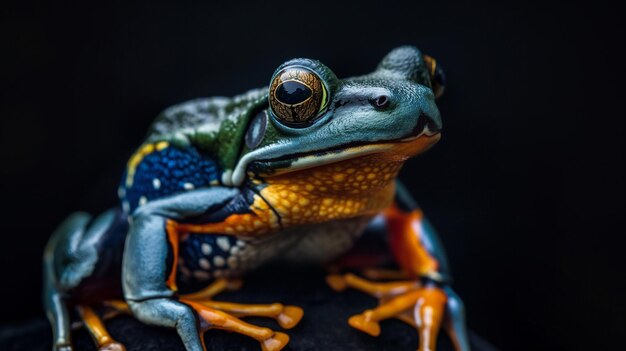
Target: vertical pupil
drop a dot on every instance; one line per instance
(292, 92)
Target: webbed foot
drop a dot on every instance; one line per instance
(423, 307)
(365, 323)
(225, 315)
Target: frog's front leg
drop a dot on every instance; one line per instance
(148, 286)
(426, 300)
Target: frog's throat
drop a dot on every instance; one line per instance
(399, 151)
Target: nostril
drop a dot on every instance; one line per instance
(380, 102)
(426, 125)
(432, 126)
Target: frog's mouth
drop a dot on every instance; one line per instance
(389, 151)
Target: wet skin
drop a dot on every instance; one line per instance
(296, 172)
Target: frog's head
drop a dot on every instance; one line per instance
(315, 119)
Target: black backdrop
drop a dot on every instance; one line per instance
(526, 187)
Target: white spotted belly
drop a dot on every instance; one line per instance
(204, 257)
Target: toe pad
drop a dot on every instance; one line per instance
(275, 343)
(290, 317)
(361, 323)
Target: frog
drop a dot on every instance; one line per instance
(292, 172)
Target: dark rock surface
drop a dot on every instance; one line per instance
(324, 326)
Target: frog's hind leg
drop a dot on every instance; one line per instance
(286, 316)
(69, 257)
(57, 313)
(98, 331)
(454, 322)
(53, 293)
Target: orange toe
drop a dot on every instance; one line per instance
(275, 343)
(365, 325)
(336, 282)
(290, 317)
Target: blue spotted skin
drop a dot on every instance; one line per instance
(196, 168)
(203, 257)
(174, 170)
(167, 172)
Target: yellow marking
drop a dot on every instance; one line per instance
(161, 145)
(431, 63)
(324, 98)
(339, 177)
(351, 188)
(138, 156)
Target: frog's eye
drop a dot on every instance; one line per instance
(297, 96)
(437, 77)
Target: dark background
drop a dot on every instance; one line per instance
(526, 187)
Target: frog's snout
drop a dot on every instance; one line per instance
(381, 102)
(427, 124)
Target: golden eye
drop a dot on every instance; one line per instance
(297, 96)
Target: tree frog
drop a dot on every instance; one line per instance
(296, 172)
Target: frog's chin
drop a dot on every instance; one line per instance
(388, 151)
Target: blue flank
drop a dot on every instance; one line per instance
(173, 167)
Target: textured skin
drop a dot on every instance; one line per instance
(210, 195)
(167, 172)
(215, 126)
(323, 327)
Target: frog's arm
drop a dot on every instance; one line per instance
(167, 189)
(148, 276)
(145, 269)
(418, 251)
